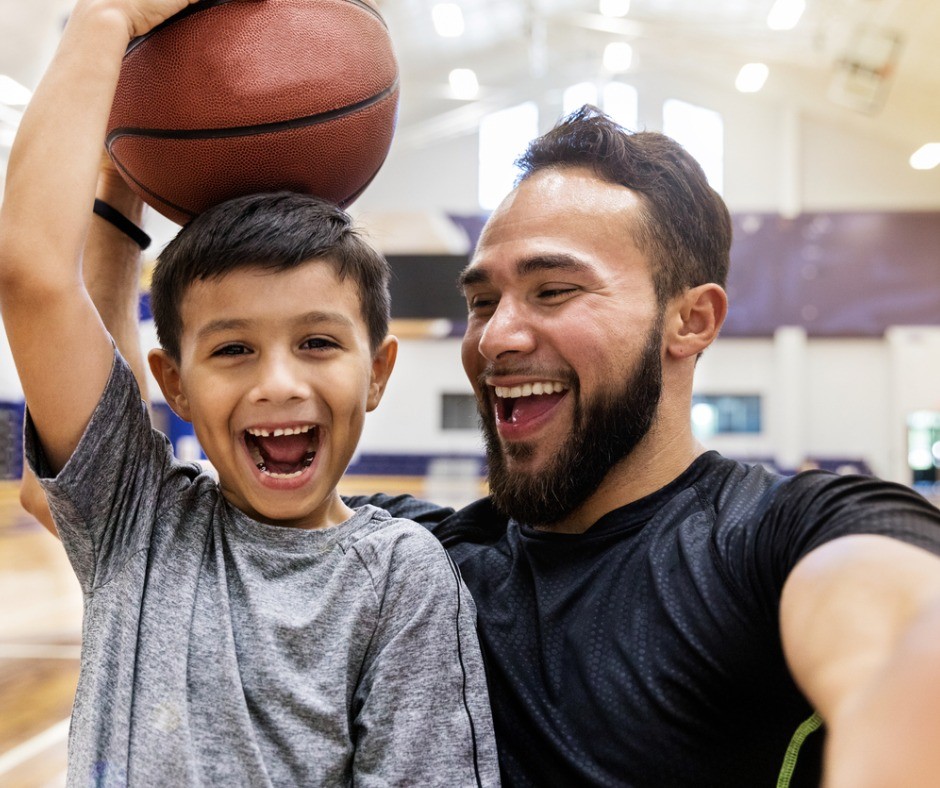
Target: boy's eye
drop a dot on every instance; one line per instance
(231, 350)
(318, 343)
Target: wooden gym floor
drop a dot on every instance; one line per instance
(40, 633)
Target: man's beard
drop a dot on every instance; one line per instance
(604, 431)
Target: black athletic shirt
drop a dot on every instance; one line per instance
(646, 651)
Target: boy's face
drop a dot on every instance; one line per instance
(276, 375)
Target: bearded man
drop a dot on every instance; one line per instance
(651, 613)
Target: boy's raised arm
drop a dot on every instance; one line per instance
(61, 349)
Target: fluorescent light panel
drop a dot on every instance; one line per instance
(751, 77)
(785, 14)
(448, 20)
(615, 8)
(618, 55)
(464, 84)
(926, 157)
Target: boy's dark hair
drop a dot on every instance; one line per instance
(684, 226)
(273, 231)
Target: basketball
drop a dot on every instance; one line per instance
(234, 97)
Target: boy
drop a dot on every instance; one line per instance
(254, 631)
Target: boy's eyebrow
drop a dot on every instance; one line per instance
(314, 317)
(472, 275)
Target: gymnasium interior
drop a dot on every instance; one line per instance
(817, 120)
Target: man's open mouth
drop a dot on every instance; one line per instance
(283, 453)
(518, 404)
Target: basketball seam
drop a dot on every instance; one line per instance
(248, 131)
(205, 5)
(266, 128)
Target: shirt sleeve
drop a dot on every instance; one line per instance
(421, 712)
(406, 507)
(812, 508)
(105, 499)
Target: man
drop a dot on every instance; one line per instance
(651, 613)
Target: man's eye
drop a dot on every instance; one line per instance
(556, 292)
(479, 303)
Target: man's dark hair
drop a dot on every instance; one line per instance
(272, 231)
(684, 227)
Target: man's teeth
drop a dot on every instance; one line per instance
(261, 433)
(528, 389)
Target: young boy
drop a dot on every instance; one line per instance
(254, 631)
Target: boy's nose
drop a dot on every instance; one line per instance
(280, 379)
(507, 331)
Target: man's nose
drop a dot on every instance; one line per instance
(508, 330)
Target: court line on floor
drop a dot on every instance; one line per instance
(38, 651)
(30, 748)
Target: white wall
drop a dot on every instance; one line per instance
(854, 400)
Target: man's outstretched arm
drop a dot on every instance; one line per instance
(860, 620)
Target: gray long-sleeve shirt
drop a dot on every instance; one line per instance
(221, 651)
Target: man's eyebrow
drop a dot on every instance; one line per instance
(472, 275)
(315, 317)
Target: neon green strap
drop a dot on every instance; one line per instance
(814, 723)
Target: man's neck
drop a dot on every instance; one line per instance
(649, 467)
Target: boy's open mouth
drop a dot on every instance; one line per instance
(517, 404)
(283, 453)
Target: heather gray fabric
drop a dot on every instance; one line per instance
(220, 651)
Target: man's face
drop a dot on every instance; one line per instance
(276, 375)
(563, 342)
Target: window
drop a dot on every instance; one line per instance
(503, 138)
(701, 132)
(721, 414)
(617, 99)
(620, 102)
(577, 96)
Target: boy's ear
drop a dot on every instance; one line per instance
(382, 364)
(167, 373)
(694, 320)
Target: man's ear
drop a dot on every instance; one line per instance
(167, 373)
(382, 364)
(695, 318)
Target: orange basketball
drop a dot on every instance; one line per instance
(234, 97)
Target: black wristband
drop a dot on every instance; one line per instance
(123, 224)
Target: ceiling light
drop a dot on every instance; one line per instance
(463, 84)
(448, 20)
(13, 93)
(615, 8)
(785, 14)
(618, 55)
(926, 157)
(751, 77)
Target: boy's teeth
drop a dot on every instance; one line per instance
(528, 389)
(259, 462)
(262, 433)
